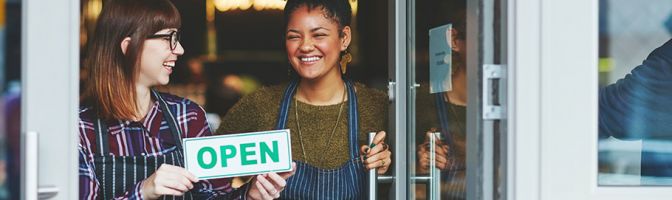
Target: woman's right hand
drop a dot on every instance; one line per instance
(441, 150)
(168, 180)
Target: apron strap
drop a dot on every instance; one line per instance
(353, 119)
(102, 139)
(285, 103)
(102, 143)
(170, 119)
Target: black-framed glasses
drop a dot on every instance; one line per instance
(173, 37)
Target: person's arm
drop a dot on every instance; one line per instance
(639, 106)
(89, 186)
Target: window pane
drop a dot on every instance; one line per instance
(635, 144)
(440, 100)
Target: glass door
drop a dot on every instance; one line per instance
(449, 99)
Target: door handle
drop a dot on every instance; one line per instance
(30, 158)
(374, 179)
(433, 180)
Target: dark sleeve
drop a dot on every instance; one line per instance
(639, 106)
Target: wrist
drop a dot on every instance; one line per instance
(146, 190)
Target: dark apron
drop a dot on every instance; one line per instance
(118, 174)
(309, 182)
(453, 188)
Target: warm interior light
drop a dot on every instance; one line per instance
(226, 5)
(259, 5)
(93, 9)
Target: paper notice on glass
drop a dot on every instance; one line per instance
(440, 60)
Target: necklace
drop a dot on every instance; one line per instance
(298, 125)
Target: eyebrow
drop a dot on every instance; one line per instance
(311, 30)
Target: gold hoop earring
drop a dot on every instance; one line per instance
(345, 59)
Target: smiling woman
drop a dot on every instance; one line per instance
(125, 149)
(328, 115)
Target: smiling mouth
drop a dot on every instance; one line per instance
(309, 59)
(169, 64)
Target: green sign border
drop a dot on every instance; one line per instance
(289, 143)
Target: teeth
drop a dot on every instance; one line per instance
(169, 64)
(309, 59)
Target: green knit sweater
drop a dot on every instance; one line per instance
(258, 112)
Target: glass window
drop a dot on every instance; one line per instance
(440, 100)
(635, 144)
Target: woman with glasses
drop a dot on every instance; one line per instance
(329, 115)
(130, 135)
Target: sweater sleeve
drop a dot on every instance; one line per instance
(639, 106)
(244, 116)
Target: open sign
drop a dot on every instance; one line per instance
(238, 154)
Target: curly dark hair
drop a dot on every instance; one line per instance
(337, 10)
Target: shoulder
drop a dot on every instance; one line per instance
(266, 93)
(86, 114)
(266, 96)
(180, 103)
(371, 101)
(254, 112)
(370, 95)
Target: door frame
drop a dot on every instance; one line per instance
(50, 95)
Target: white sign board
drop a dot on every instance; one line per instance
(241, 154)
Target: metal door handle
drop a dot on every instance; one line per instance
(374, 179)
(433, 181)
(434, 172)
(30, 189)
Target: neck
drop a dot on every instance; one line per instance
(325, 91)
(143, 101)
(458, 95)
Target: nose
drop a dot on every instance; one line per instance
(179, 50)
(307, 45)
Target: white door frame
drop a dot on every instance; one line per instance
(554, 78)
(50, 93)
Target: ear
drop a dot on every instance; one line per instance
(347, 37)
(124, 44)
(453, 39)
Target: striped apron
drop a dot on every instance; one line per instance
(118, 174)
(309, 182)
(453, 187)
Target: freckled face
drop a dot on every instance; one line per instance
(314, 44)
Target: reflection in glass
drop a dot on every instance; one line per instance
(441, 99)
(635, 145)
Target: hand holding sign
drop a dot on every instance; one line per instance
(268, 186)
(167, 180)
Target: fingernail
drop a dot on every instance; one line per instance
(373, 145)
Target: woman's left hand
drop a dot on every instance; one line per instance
(378, 156)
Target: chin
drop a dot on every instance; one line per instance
(164, 82)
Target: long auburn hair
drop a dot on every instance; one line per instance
(110, 87)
